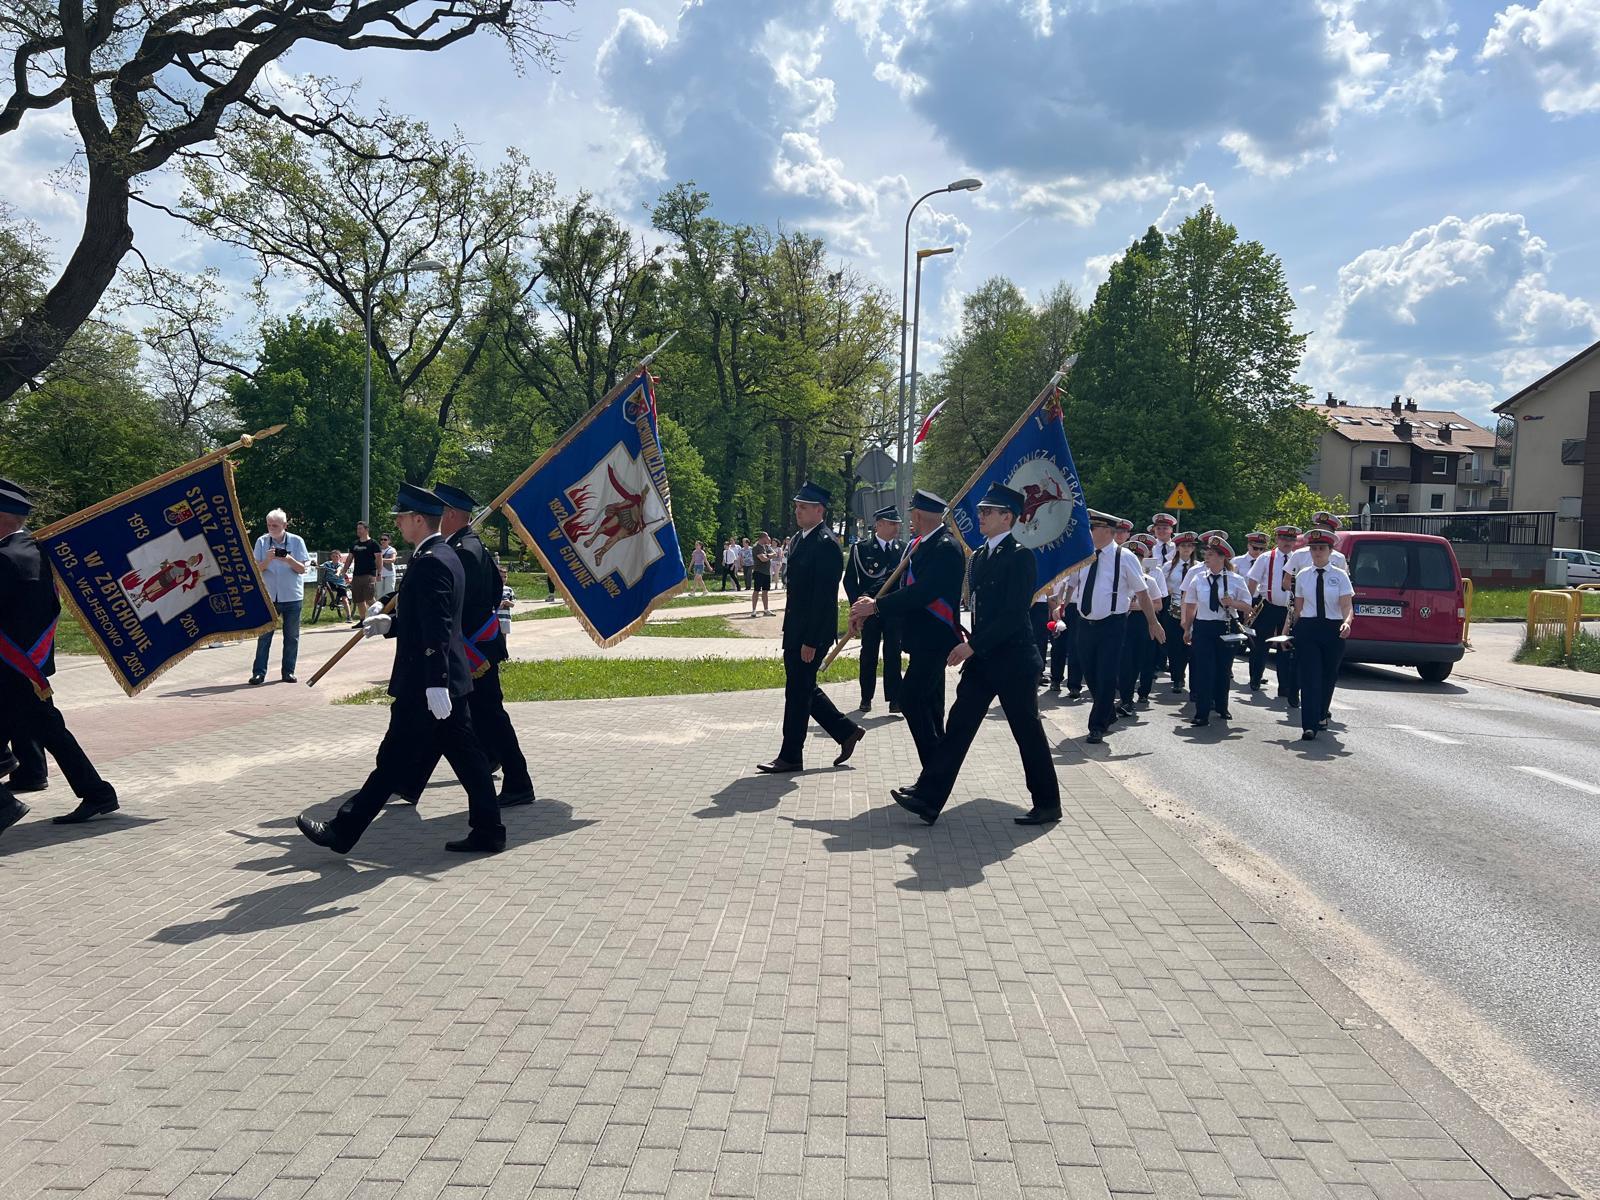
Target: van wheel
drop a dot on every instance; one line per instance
(1434, 672)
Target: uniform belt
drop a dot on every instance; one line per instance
(29, 663)
(476, 661)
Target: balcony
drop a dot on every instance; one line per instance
(1386, 474)
(1480, 478)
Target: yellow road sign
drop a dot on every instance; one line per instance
(1180, 498)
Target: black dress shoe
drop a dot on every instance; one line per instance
(1178, 689)
(288, 677)
(8, 762)
(1199, 722)
(27, 785)
(320, 833)
(11, 813)
(406, 798)
(894, 706)
(1095, 737)
(257, 680)
(848, 747)
(1256, 685)
(1310, 735)
(87, 810)
(864, 706)
(1294, 702)
(907, 799)
(1074, 693)
(1054, 689)
(1144, 697)
(778, 767)
(517, 798)
(477, 843)
(1225, 714)
(1125, 710)
(1039, 817)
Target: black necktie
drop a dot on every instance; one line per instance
(1087, 606)
(1322, 607)
(1215, 607)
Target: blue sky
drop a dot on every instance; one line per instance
(1426, 169)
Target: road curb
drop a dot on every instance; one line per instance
(1552, 693)
(1513, 1167)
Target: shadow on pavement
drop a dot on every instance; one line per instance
(214, 689)
(1375, 677)
(1209, 735)
(751, 794)
(952, 854)
(33, 833)
(1325, 748)
(377, 859)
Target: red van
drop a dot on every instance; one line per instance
(1409, 604)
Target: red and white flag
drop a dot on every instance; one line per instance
(927, 423)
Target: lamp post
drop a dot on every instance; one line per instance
(422, 266)
(902, 442)
(916, 324)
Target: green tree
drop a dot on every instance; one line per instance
(1296, 504)
(309, 379)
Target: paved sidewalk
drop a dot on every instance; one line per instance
(682, 979)
(1494, 647)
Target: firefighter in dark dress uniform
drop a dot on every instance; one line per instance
(28, 613)
(430, 682)
(1000, 659)
(485, 646)
(867, 567)
(926, 604)
(810, 625)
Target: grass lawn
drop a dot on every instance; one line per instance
(605, 678)
(548, 612)
(689, 627)
(1513, 602)
(1550, 652)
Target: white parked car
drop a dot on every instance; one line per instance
(1583, 566)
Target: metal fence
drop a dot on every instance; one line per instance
(1467, 528)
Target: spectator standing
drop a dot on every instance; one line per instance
(697, 568)
(761, 575)
(730, 564)
(282, 557)
(388, 559)
(747, 560)
(361, 568)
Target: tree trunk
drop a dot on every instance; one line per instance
(39, 338)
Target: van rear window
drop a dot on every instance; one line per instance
(1433, 569)
(1379, 565)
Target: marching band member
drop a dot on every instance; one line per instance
(1210, 597)
(1064, 663)
(1301, 558)
(1124, 530)
(1111, 586)
(1172, 613)
(867, 566)
(1000, 659)
(1255, 544)
(1164, 526)
(1266, 580)
(1325, 606)
(1140, 650)
(925, 604)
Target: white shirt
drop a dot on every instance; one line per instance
(729, 556)
(997, 539)
(1301, 559)
(1244, 564)
(1178, 571)
(1335, 583)
(1197, 591)
(1117, 566)
(1155, 581)
(1267, 575)
(1163, 554)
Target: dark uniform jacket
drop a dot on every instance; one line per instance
(484, 590)
(926, 601)
(427, 625)
(867, 566)
(811, 609)
(28, 603)
(1003, 582)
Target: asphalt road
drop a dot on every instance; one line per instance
(1439, 848)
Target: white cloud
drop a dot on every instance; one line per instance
(1184, 204)
(1557, 44)
(1080, 200)
(803, 169)
(1458, 286)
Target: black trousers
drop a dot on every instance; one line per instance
(31, 765)
(1100, 648)
(876, 632)
(486, 705)
(1064, 660)
(1039, 617)
(922, 702)
(1212, 664)
(1014, 681)
(803, 700)
(1318, 649)
(1177, 652)
(727, 573)
(36, 725)
(415, 740)
(1135, 672)
(1268, 624)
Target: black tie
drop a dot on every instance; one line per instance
(1322, 607)
(1087, 606)
(1215, 606)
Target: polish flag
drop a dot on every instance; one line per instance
(927, 423)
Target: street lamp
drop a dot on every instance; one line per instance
(916, 322)
(423, 266)
(902, 442)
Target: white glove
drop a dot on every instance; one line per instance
(439, 703)
(376, 626)
(374, 609)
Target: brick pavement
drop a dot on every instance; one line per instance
(681, 980)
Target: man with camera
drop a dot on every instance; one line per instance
(283, 558)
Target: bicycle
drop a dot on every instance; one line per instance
(338, 599)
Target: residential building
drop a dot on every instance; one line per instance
(1402, 458)
(1553, 427)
